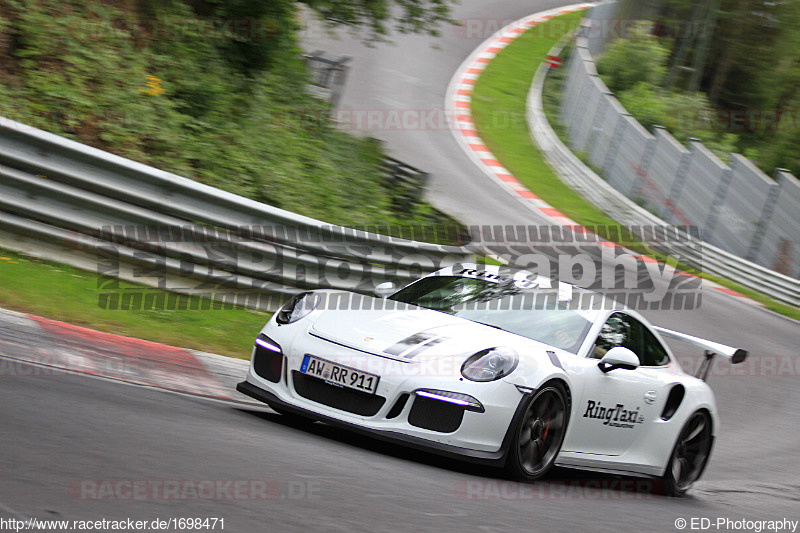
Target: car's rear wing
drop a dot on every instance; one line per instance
(734, 355)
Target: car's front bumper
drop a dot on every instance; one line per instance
(491, 458)
(393, 412)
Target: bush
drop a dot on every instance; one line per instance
(627, 62)
(646, 104)
(635, 69)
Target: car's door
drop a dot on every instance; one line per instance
(614, 407)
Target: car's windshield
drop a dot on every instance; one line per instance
(506, 305)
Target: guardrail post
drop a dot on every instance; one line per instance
(782, 262)
(613, 150)
(764, 218)
(569, 86)
(719, 197)
(637, 186)
(569, 120)
(595, 128)
(671, 205)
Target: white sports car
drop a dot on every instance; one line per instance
(492, 365)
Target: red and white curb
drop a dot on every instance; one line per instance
(458, 103)
(32, 346)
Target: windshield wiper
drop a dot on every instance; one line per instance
(487, 324)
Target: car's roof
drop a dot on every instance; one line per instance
(589, 303)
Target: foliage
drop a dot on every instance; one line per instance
(645, 103)
(640, 59)
(685, 115)
(751, 69)
(214, 91)
(410, 16)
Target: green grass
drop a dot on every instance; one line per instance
(766, 301)
(64, 293)
(499, 111)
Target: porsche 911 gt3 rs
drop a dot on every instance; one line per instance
(493, 365)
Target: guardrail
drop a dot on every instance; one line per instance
(405, 182)
(146, 225)
(328, 75)
(747, 274)
(599, 192)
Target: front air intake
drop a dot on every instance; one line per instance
(397, 408)
(436, 415)
(267, 359)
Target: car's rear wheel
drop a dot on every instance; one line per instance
(690, 455)
(539, 433)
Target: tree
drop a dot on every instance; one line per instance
(252, 51)
(751, 68)
(409, 16)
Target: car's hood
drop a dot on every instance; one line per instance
(409, 334)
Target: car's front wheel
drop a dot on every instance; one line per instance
(689, 456)
(539, 433)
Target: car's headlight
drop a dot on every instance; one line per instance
(298, 307)
(491, 364)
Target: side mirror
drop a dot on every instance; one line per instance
(618, 357)
(385, 289)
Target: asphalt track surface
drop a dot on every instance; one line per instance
(59, 430)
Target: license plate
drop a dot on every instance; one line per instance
(344, 376)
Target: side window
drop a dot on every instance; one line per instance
(619, 330)
(654, 352)
(623, 330)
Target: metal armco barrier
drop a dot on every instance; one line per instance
(79, 204)
(748, 220)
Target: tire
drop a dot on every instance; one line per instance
(689, 456)
(539, 433)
